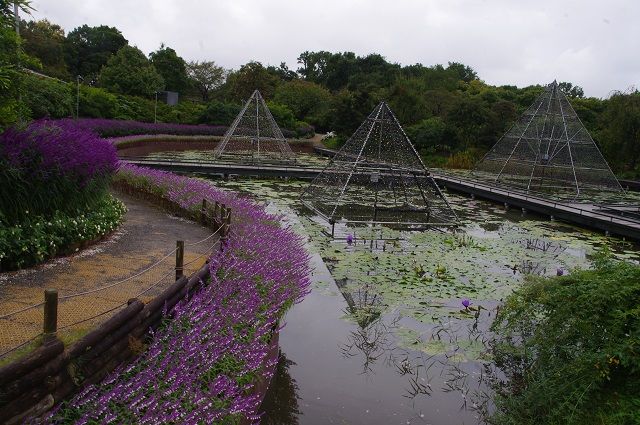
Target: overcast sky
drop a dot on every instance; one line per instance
(592, 43)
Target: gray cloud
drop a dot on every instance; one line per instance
(591, 43)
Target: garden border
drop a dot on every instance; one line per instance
(33, 384)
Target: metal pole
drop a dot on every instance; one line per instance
(18, 65)
(78, 78)
(258, 122)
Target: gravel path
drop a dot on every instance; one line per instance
(146, 237)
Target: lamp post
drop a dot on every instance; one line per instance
(78, 79)
(16, 17)
(155, 109)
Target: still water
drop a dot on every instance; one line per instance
(383, 337)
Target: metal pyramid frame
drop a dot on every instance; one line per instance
(548, 150)
(378, 177)
(254, 134)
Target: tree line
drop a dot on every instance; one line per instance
(450, 114)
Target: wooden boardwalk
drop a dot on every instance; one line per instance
(583, 214)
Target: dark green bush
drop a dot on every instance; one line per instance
(97, 103)
(570, 348)
(47, 97)
(219, 113)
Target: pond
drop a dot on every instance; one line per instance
(383, 337)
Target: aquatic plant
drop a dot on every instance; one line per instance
(202, 365)
(349, 239)
(466, 303)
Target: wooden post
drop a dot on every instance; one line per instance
(223, 213)
(228, 222)
(216, 206)
(203, 212)
(50, 313)
(179, 259)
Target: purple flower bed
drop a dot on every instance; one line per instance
(54, 180)
(117, 128)
(47, 149)
(201, 367)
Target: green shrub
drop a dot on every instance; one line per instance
(570, 348)
(283, 115)
(47, 97)
(97, 103)
(219, 113)
(39, 237)
(304, 130)
(185, 112)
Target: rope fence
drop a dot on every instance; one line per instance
(79, 312)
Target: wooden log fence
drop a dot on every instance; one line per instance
(33, 384)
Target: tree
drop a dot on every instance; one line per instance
(307, 100)
(462, 72)
(282, 72)
(87, 49)
(45, 41)
(620, 136)
(249, 77)
(130, 72)
(571, 90)
(314, 65)
(11, 58)
(428, 135)
(206, 76)
(172, 68)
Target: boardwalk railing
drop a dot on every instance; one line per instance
(75, 313)
(537, 199)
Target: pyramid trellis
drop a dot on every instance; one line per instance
(378, 177)
(548, 150)
(255, 134)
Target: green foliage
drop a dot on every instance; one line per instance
(130, 72)
(45, 41)
(251, 76)
(570, 347)
(40, 237)
(171, 67)
(185, 112)
(620, 135)
(219, 113)
(428, 135)
(47, 97)
(283, 115)
(571, 90)
(308, 101)
(10, 77)
(97, 103)
(205, 77)
(87, 49)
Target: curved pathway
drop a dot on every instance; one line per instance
(146, 238)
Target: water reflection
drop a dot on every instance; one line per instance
(281, 400)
